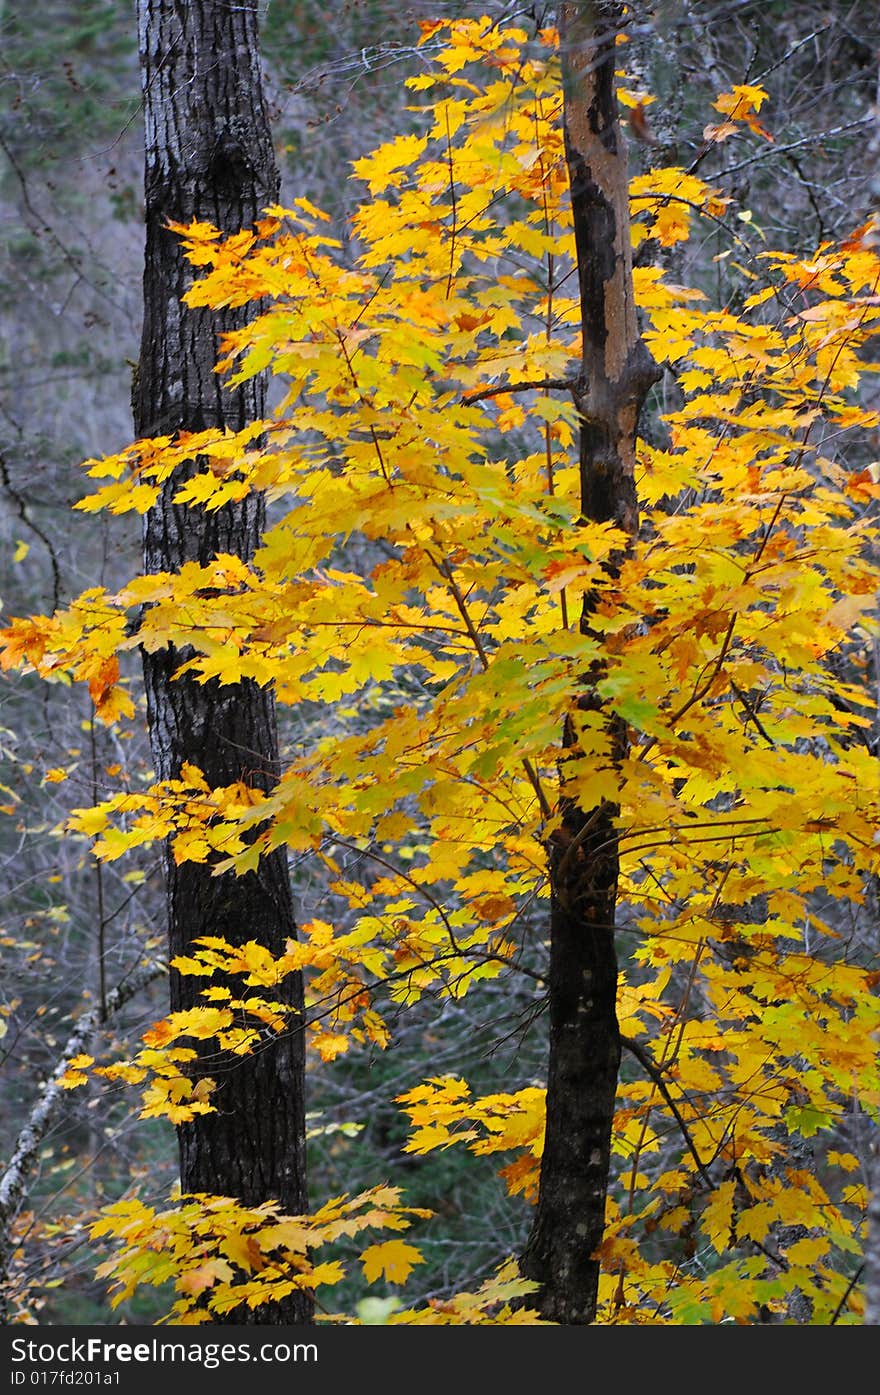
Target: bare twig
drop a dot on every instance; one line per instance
(645, 1061)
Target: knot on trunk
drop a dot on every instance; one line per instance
(640, 373)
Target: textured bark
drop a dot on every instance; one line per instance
(872, 1244)
(617, 372)
(209, 156)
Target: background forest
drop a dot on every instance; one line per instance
(71, 265)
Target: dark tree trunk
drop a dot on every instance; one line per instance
(209, 156)
(872, 1243)
(617, 372)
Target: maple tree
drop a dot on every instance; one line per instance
(516, 673)
(617, 372)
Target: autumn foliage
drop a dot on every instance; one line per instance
(422, 579)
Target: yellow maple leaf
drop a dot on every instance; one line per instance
(289, 1234)
(495, 908)
(808, 1251)
(393, 1258)
(244, 1251)
(848, 1161)
(73, 1076)
(329, 1045)
(89, 821)
(376, 168)
(741, 100)
(718, 1215)
(205, 1275)
(120, 1070)
(115, 702)
(330, 1272)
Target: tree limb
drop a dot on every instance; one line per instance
(14, 1179)
(645, 1060)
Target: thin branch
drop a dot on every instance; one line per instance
(22, 508)
(13, 1182)
(645, 1060)
(543, 384)
(751, 711)
(816, 139)
(846, 1293)
(445, 571)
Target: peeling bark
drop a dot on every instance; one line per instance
(617, 372)
(209, 156)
